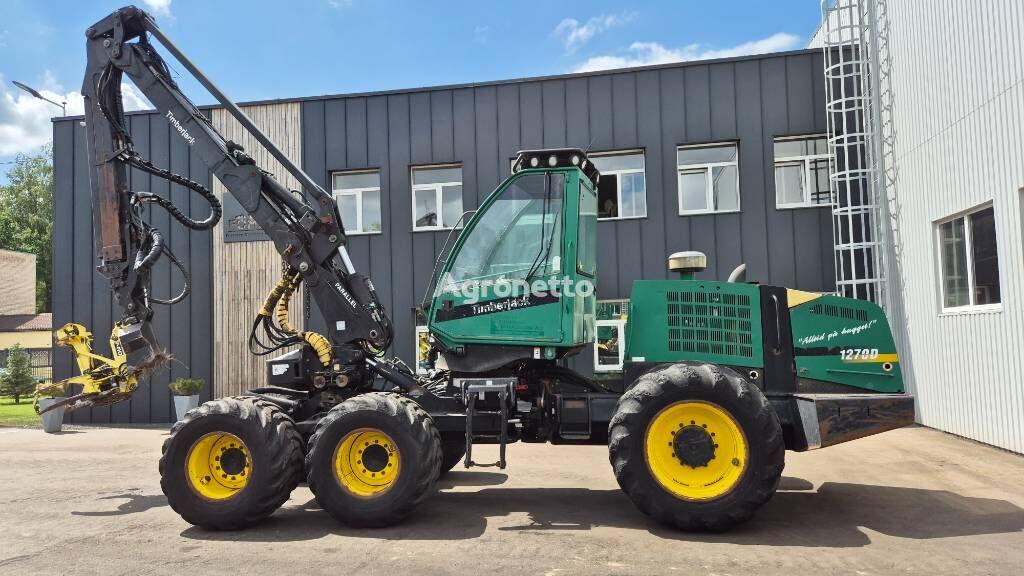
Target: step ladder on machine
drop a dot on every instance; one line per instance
(496, 394)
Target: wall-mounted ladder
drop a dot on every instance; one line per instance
(852, 41)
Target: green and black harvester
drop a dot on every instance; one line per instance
(719, 378)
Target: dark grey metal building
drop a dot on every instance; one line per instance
(764, 112)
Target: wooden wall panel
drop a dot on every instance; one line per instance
(244, 272)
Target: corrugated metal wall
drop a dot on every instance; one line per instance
(958, 121)
(752, 100)
(81, 295)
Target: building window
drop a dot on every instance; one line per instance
(969, 261)
(610, 344)
(622, 191)
(422, 348)
(709, 178)
(436, 197)
(357, 195)
(801, 172)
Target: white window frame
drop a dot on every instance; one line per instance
(806, 159)
(710, 188)
(438, 196)
(358, 230)
(420, 329)
(969, 253)
(620, 326)
(618, 180)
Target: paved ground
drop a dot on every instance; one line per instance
(913, 501)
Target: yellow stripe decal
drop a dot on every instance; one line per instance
(798, 297)
(880, 359)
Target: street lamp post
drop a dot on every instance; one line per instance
(35, 94)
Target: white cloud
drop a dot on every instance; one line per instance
(646, 53)
(133, 99)
(339, 4)
(575, 34)
(25, 120)
(160, 7)
(481, 34)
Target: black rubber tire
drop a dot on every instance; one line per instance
(275, 447)
(694, 381)
(418, 443)
(453, 452)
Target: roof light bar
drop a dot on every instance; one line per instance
(555, 158)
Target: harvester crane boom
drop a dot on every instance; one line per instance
(305, 227)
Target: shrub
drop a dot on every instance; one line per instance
(187, 386)
(17, 380)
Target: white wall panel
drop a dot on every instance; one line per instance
(958, 102)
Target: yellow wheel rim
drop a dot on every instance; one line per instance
(695, 450)
(367, 462)
(218, 466)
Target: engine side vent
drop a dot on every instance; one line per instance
(710, 322)
(837, 311)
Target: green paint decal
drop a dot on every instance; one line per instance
(845, 341)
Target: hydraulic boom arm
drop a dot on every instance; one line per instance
(305, 227)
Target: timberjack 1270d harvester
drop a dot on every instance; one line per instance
(720, 377)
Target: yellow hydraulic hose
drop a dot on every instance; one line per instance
(278, 299)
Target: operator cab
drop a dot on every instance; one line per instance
(520, 280)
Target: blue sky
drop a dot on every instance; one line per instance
(263, 49)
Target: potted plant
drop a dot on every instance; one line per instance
(48, 394)
(186, 395)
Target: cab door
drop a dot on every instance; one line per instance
(495, 287)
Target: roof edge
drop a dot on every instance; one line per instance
(464, 85)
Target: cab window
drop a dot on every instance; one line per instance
(586, 241)
(519, 236)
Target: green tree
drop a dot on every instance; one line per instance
(26, 216)
(17, 380)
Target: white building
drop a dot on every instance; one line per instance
(952, 126)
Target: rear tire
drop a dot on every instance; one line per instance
(254, 441)
(373, 458)
(668, 461)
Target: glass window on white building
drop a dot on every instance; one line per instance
(622, 191)
(801, 172)
(969, 261)
(708, 178)
(357, 195)
(436, 197)
(610, 343)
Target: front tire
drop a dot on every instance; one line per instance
(373, 458)
(696, 446)
(231, 463)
